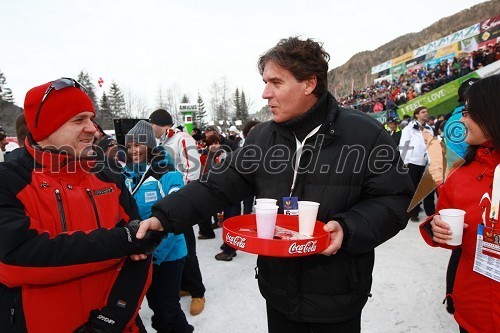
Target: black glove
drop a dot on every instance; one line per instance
(450, 307)
(98, 323)
(145, 245)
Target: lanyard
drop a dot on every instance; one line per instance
(298, 155)
(495, 197)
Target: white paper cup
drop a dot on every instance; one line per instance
(455, 218)
(265, 216)
(266, 201)
(308, 212)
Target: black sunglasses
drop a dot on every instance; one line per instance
(59, 84)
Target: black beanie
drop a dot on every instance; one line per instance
(161, 117)
(463, 88)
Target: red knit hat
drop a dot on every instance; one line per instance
(59, 106)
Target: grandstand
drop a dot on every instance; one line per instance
(431, 74)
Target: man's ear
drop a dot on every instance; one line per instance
(310, 85)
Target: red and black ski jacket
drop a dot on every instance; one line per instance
(63, 250)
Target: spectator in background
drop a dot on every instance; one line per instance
(431, 121)
(196, 134)
(229, 146)
(405, 121)
(394, 130)
(150, 176)
(109, 153)
(21, 129)
(414, 154)
(454, 131)
(475, 294)
(3, 143)
(233, 135)
(248, 201)
(99, 133)
(183, 150)
(21, 133)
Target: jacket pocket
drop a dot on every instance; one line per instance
(11, 314)
(332, 275)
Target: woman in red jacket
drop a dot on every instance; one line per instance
(469, 188)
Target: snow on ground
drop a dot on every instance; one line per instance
(408, 289)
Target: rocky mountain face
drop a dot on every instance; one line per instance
(361, 63)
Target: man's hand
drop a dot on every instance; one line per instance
(336, 237)
(441, 230)
(149, 224)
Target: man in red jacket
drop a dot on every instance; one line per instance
(65, 239)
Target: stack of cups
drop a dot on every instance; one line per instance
(308, 212)
(266, 212)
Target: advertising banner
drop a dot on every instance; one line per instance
(469, 45)
(403, 58)
(490, 29)
(398, 70)
(380, 116)
(468, 32)
(490, 24)
(447, 50)
(415, 61)
(382, 67)
(436, 61)
(434, 97)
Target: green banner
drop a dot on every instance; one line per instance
(435, 97)
(380, 116)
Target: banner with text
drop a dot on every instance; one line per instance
(434, 97)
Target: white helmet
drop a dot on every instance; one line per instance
(233, 129)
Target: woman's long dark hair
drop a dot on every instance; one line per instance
(483, 102)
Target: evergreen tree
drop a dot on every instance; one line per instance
(84, 80)
(184, 99)
(5, 92)
(237, 105)
(105, 118)
(117, 102)
(244, 108)
(200, 115)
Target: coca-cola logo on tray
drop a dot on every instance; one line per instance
(237, 241)
(308, 247)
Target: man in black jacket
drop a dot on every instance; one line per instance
(349, 164)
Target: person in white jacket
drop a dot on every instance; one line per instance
(414, 154)
(180, 145)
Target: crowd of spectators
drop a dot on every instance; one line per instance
(416, 81)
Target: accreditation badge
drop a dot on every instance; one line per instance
(487, 258)
(291, 205)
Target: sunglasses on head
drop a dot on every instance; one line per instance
(59, 84)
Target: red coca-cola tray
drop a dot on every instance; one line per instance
(240, 232)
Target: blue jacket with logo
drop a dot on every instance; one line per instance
(156, 181)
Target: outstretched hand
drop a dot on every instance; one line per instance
(149, 224)
(336, 237)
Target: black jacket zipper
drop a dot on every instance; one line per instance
(61, 209)
(89, 192)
